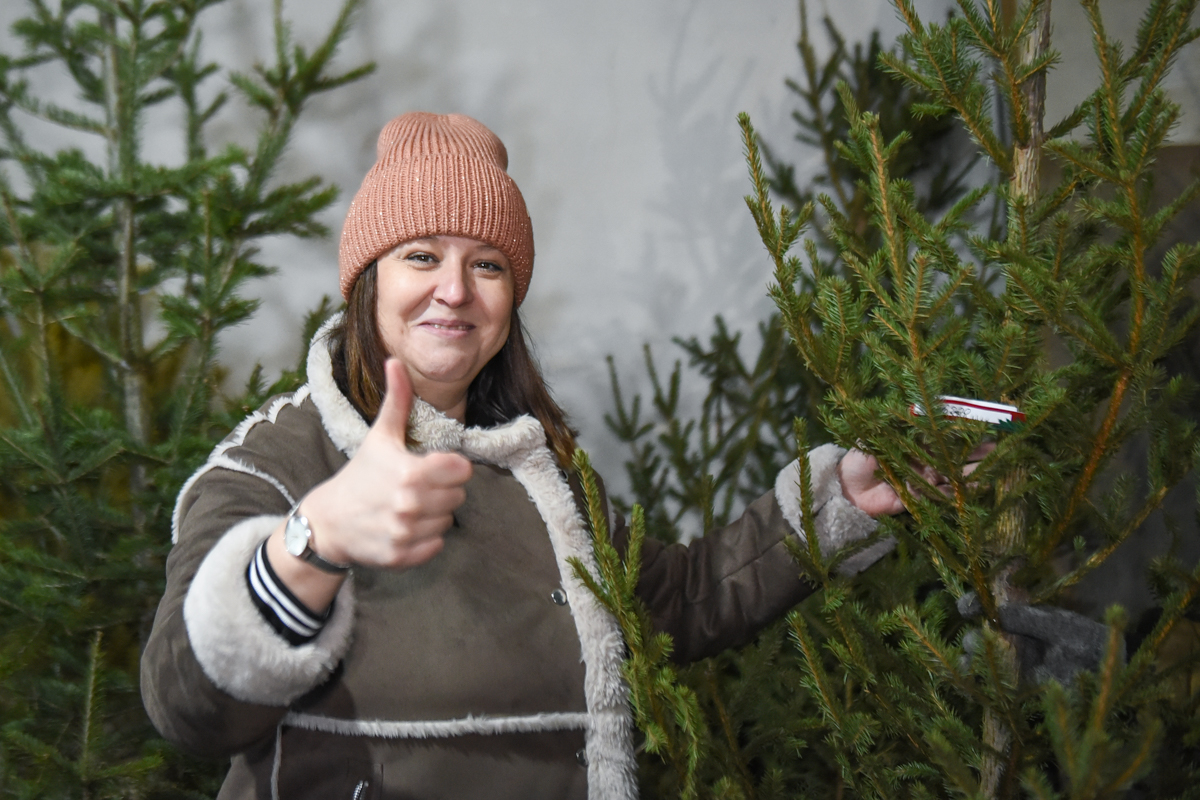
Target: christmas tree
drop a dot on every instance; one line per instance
(117, 277)
(912, 679)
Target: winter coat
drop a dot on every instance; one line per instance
(489, 671)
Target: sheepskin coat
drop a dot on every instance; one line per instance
(489, 671)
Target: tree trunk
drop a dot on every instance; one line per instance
(1010, 534)
(121, 157)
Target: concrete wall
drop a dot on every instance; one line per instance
(619, 119)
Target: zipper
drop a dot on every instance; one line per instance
(360, 790)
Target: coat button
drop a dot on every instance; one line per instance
(559, 598)
(581, 757)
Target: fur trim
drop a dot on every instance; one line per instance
(517, 438)
(434, 431)
(838, 521)
(388, 729)
(237, 649)
(345, 426)
(230, 463)
(277, 762)
(237, 436)
(822, 463)
(612, 769)
(520, 446)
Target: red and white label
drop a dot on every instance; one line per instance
(967, 408)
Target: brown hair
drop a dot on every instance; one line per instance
(508, 386)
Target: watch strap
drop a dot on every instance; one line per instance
(310, 555)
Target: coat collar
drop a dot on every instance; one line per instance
(434, 431)
(520, 446)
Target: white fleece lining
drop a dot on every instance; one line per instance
(838, 521)
(519, 446)
(612, 770)
(236, 647)
(822, 464)
(242, 654)
(390, 729)
(217, 457)
(230, 463)
(345, 426)
(277, 761)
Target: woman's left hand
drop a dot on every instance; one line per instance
(863, 487)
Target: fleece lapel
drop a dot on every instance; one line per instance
(520, 447)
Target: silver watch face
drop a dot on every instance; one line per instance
(295, 535)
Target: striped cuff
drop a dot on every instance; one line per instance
(290, 618)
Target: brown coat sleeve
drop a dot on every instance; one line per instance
(185, 705)
(721, 589)
(216, 679)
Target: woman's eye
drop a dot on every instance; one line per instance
(489, 266)
(421, 257)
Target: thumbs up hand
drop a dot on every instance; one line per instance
(387, 507)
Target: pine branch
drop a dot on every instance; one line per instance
(666, 710)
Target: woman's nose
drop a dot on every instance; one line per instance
(453, 285)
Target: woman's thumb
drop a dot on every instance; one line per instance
(397, 403)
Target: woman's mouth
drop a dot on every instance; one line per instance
(449, 325)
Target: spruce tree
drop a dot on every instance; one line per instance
(117, 277)
(689, 474)
(1053, 305)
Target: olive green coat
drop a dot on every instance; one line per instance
(489, 671)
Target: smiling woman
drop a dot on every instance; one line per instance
(371, 591)
(444, 307)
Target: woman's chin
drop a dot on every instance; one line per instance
(441, 380)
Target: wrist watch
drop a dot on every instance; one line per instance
(297, 540)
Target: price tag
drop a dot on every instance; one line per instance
(982, 410)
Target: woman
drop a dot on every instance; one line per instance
(369, 593)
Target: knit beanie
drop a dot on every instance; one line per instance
(436, 175)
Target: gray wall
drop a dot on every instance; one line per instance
(619, 121)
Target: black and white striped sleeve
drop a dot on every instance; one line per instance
(290, 618)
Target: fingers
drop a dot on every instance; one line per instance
(857, 472)
(410, 534)
(413, 505)
(941, 482)
(422, 509)
(981, 452)
(927, 473)
(882, 502)
(444, 469)
(862, 487)
(433, 486)
(389, 508)
(928, 478)
(420, 542)
(397, 403)
(422, 552)
(891, 504)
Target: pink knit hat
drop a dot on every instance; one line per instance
(436, 175)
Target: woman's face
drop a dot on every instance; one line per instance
(444, 304)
